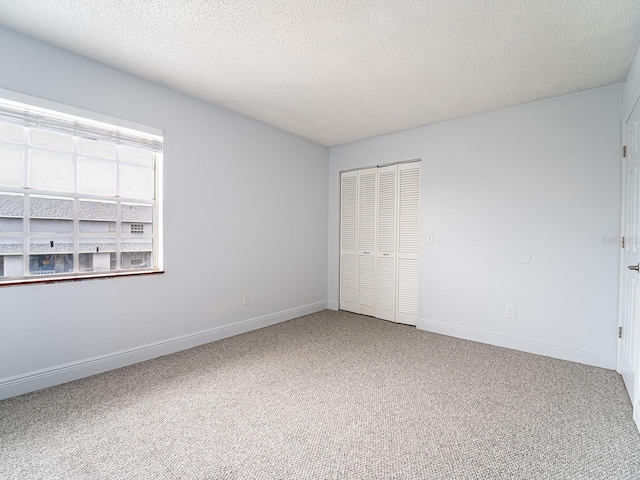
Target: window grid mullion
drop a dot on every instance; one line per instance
(27, 235)
(118, 213)
(82, 196)
(76, 208)
(26, 213)
(118, 235)
(155, 224)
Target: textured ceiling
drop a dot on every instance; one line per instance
(336, 71)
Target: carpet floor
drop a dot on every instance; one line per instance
(328, 396)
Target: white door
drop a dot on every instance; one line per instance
(366, 262)
(386, 285)
(348, 237)
(630, 282)
(408, 235)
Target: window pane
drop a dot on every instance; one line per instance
(97, 244)
(136, 245)
(11, 133)
(49, 264)
(50, 245)
(87, 226)
(91, 210)
(11, 266)
(136, 182)
(136, 213)
(55, 141)
(97, 262)
(136, 155)
(135, 260)
(94, 148)
(42, 225)
(98, 254)
(51, 207)
(97, 177)
(51, 170)
(137, 228)
(12, 225)
(11, 245)
(136, 253)
(11, 166)
(11, 205)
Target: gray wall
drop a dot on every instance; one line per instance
(543, 178)
(245, 209)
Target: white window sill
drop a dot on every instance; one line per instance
(76, 277)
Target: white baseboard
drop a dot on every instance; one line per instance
(48, 377)
(331, 305)
(555, 351)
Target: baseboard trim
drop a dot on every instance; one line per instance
(48, 377)
(331, 305)
(555, 351)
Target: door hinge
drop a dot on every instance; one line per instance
(619, 332)
(623, 242)
(624, 151)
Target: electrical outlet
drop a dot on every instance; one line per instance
(246, 298)
(510, 311)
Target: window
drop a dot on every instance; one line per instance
(79, 192)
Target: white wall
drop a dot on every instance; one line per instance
(245, 208)
(542, 177)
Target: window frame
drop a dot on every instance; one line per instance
(89, 118)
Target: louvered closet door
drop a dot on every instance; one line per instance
(366, 264)
(408, 234)
(348, 238)
(387, 235)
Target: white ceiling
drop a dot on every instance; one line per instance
(336, 71)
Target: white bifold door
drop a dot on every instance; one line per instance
(379, 231)
(366, 261)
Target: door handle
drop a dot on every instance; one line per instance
(634, 267)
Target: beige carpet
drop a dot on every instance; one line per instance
(329, 395)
